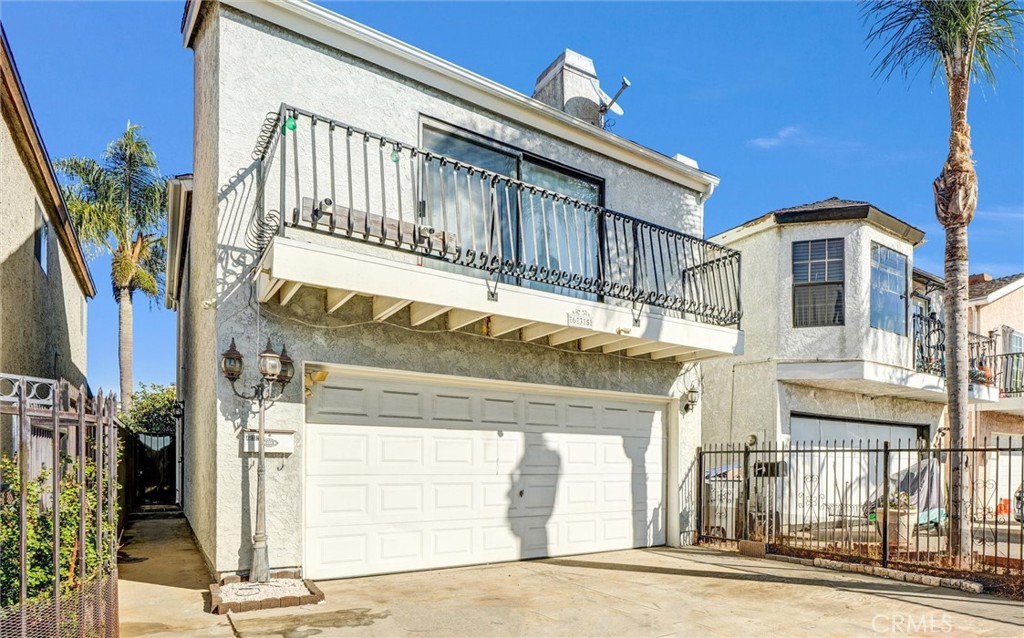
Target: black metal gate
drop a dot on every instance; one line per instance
(150, 469)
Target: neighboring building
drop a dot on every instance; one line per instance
(44, 279)
(996, 309)
(491, 363)
(844, 338)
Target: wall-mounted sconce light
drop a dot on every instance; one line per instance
(692, 395)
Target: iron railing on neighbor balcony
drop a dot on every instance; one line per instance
(58, 473)
(871, 501)
(1008, 371)
(336, 179)
(930, 350)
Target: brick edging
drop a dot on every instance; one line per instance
(218, 606)
(883, 572)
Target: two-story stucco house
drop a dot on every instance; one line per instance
(45, 282)
(496, 307)
(996, 309)
(845, 340)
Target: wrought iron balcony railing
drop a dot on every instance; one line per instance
(930, 350)
(1008, 371)
(929, 345)
(336, 179)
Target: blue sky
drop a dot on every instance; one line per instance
(777, 99)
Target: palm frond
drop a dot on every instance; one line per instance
(119, 205)
(911, 34)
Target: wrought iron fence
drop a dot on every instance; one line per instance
(58, 495)
(870, 501)
(1008, 371)
(333, 178)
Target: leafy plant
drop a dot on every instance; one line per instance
(39, 529)
(152, 409)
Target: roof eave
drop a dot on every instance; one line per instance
(319, 24)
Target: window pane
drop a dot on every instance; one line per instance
(818, 249)
(800, 251)
(481, 218)
(818, 305)
(801, 273)
(835, 248)
(888, 290)
(817, 271)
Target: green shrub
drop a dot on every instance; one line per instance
(152, 410)
(39, 529)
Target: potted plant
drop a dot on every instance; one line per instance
(902, 518)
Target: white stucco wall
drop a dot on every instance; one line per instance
(245, 69)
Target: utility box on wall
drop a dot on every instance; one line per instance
(275, 442)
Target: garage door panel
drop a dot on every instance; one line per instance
(404, 476)
(339, 501)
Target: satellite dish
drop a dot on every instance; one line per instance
(605, 101)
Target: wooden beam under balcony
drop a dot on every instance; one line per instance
(503, 325)
(384, 307)
(337, 298)
(568, 334)
(287, 292)
(459, 318)
(596, 341)
(539, 330)
(421, 313)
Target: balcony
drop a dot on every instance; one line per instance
(368, 215)
(1008, 377)
(930, 350)
(925, 382)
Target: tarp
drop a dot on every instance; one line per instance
(922, 482)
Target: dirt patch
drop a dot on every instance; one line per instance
(303, 625)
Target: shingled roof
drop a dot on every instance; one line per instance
(981, 288)
(832, 203)
(835, 209)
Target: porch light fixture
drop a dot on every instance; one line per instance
(270, 363)
(231, 362)
(276, 371)
(692, 395)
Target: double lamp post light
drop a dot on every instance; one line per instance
(274, 369)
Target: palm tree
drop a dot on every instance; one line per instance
(963, 39)
(118, 206)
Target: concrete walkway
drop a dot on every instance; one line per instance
(654, 592)
(164, 588)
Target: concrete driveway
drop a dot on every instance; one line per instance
(653, 592)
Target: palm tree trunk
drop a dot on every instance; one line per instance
(124, 344)
(956, 198)
(957, 384)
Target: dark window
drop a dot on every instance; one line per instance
(888, 290)
(533, 228)
(42, 239)
(818, 283)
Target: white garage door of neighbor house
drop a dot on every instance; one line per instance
(409, 474)
(806, 429)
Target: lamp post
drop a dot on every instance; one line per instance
(274, 368)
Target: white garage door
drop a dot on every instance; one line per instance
(828, 484)
(411, 474)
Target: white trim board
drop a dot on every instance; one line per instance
(335, 268)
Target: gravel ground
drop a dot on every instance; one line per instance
(276, 588)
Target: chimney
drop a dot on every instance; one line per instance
(977, 279)
(570, 84)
